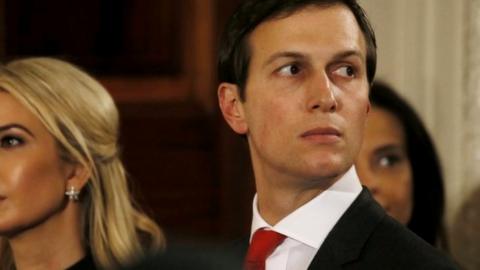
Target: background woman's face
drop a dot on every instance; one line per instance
(383, 164)
(32, 176)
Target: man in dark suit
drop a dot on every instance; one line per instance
(295, 77)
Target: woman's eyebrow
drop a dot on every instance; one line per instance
(18, 126)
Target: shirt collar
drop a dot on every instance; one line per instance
(311, 223)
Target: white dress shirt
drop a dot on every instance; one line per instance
(307, 227)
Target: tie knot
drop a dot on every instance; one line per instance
(264, 242)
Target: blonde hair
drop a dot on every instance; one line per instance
(83, 119)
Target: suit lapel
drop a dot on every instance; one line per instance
(346, 240)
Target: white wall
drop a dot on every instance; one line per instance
(421, 48)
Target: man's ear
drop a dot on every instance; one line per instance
(232, 107)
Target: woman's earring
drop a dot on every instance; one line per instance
(72, 194)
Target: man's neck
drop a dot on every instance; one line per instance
(277, 196)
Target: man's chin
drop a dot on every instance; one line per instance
(327, 172)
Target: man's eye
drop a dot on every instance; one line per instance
(290, 70)
(10, 141)
(345, 71)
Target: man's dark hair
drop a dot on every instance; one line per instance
(234, 54)
(427, 180)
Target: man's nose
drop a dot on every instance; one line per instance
(321, 95)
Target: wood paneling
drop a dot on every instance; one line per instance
(105, 36)
(169, 152)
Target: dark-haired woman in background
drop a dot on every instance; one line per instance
(399, 164)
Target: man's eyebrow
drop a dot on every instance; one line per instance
(18, 126)
(345, 54)
(285, 54)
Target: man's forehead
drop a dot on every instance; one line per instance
(332, 27)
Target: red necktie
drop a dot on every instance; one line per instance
(264, 242)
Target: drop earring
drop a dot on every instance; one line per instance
(72, 193)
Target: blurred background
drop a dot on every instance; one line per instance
(157, 59)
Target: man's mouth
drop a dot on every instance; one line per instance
(322, 135)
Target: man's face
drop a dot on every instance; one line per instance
(306, 94)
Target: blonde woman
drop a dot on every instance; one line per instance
(64, 198)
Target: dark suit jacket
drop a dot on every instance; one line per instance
(365, 237)
(200, 256)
